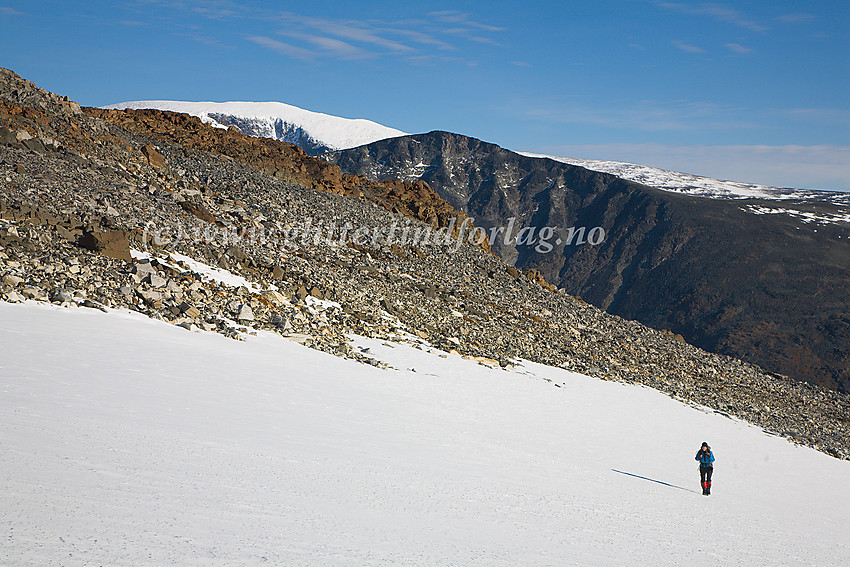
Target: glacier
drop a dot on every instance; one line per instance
(314, 131)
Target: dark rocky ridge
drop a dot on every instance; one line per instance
(771, 288)
(283, 131)
(85, 176)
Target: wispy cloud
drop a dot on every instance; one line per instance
(332, 46)
(283, 48)
(7, 11)
(457, 17)
(310, 37)
(480, 39)
(678, 44)
(718, 12)
(738, 48)
(215, 9)
(412, 39)
(832, 116)
(359, 31)
(422, 38)
(796, 18)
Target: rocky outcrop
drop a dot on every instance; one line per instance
(769, 288)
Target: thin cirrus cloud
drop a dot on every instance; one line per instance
(717, 12)
(681, 45)
(283, 48)
(457, 17)
(738, 48)
(796, 18)
(356, 31)
(422, 38)
(310, 38)
(331, 46)
(7, 11)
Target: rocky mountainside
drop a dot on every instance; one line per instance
(315, 132)
(759, 279)
(201, 227)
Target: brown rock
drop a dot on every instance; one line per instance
(199, 211)
(113, 244)
(154, 157)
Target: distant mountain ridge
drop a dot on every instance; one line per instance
(694, 184)
(315, 132)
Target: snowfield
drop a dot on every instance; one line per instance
(128, 441)
(279, 120)
(694, 184)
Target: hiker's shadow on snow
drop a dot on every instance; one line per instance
(657, 481)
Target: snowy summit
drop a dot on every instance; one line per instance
(314, 131)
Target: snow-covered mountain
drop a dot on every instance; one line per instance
(694, 184)
(313, 131)
(197, 449)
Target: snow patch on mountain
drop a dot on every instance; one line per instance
(805, 216)
(694, 184)
(314, 131)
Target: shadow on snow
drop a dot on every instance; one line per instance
(653, 480)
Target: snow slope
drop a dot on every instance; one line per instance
(312, 130)
(128, 441)
(692, 184)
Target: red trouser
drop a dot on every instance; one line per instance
(705, 476)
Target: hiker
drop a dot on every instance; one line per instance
(706, 467)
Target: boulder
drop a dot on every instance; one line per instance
(245, 313)
(15, 297)
(60, 295)
(12, 280)
(33, 292)
(114, 244)
(189, 310)
(154, 158)
(153, 298)
(275, 297)
(94, 305)
(7, 137)
(301, 293)
(35, 145)
(155, 280)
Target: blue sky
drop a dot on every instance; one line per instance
(753, 91)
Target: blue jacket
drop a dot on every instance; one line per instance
(705, 458)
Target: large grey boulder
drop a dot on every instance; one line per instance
(245, 313)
